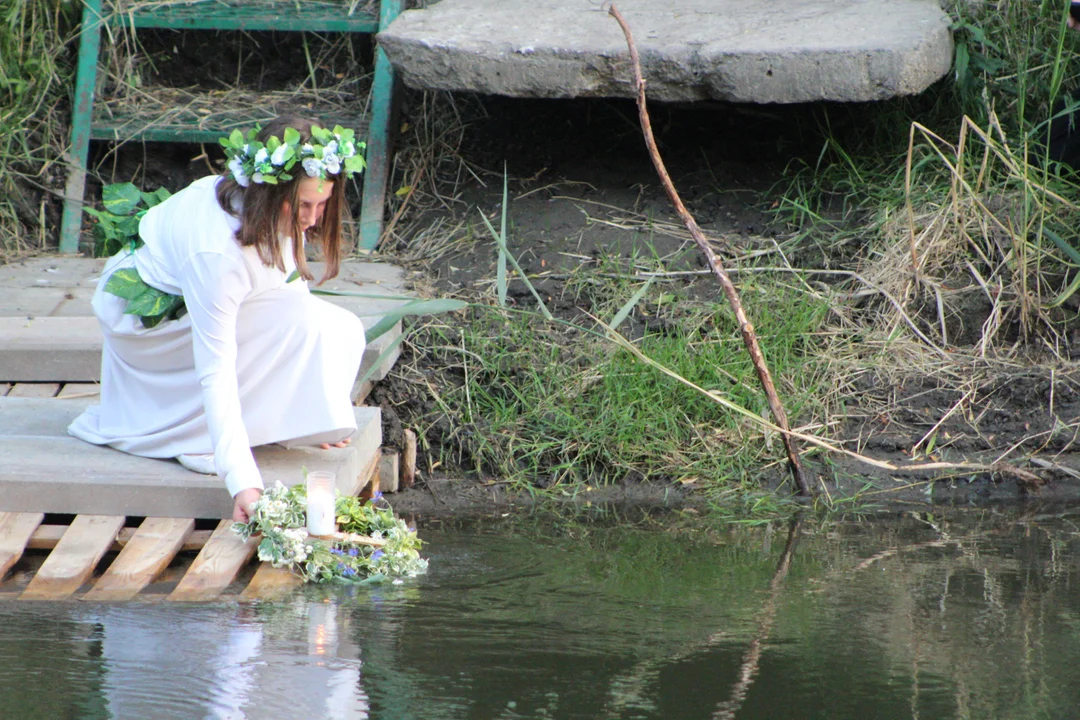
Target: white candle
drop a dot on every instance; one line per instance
(321, 518)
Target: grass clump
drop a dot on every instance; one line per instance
(552, 405)
(35, 80)
(964, 224)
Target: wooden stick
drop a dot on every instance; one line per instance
(747, 329)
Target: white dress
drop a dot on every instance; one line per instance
(255, 360)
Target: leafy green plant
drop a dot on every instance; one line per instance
(372, 542)
(117, 223)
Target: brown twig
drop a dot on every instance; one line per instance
(747, 329)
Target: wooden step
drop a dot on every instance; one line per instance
(161, 114)
(76, 555)
(16, 529)
(62, 341)
(216, 566)
(310, 15)
(145, 557)
(43, 469)
(149, 551)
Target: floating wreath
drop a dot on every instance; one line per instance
(372, 543)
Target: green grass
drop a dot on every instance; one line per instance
(1014, 59)
(549, 405)
(35, 82)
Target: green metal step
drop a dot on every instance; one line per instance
(178, 115)
(289, 15)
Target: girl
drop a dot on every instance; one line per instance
(213, 343)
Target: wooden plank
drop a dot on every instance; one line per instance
(16, 530)
(217, 565)
(148, 552)
(76, 555)
(34, 390)
(389, 471)
(246, 15)
(408, 460)
(74, 391)
(4, 389)
(368, 480)
(269, 582)
(47, 536)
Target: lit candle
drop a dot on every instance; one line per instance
(321, 518)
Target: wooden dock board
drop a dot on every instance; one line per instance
(72, 391)
(73, 560)
(47, 536)
(149, 551)
(216, 566)
(269, 582)
(34, 390)
(16, 530)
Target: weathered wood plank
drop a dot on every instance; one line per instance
(389, 471)
(269, 582)
(34, 390)
(73, 560)
(72, 391)
(367, 482)
(148, 552)
(408, 460)
(46, 537)
(16, 529)
(217, 565)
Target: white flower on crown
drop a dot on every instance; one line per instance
(257, 178)
(261, 157)
(313, 167)
(331, 162)
(307, 149)
(348, 149)
(278, 158)
(236, 167)
(331, 148)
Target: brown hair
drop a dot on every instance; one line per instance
(260, 209)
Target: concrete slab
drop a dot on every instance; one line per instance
(732, 50)
(48, 332)
(43, 469)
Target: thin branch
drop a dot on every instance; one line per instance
(746, 328)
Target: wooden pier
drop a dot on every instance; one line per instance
(89, 523)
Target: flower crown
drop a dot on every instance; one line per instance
(327, 153)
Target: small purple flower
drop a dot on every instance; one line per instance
(353, 552)
(335, 551)
(350, 572)
(342, 568)
(376, 555)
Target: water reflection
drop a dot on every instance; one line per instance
(975, 616)
(228, 662)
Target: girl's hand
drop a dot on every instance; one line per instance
(343, 443)
(242, 501)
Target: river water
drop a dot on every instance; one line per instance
(974, 615)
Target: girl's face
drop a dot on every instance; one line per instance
(312, 196)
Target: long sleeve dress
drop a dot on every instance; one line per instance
(255, 360)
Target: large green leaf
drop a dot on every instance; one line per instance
(121, 198)
(156, 198)
(417, 307)
(126, 283)
(151, 302)
(379, 360)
